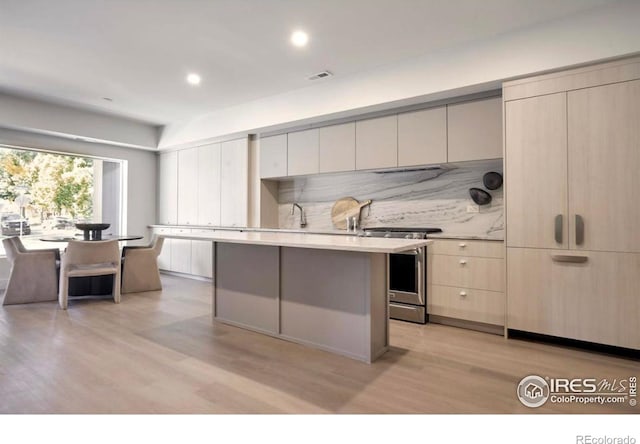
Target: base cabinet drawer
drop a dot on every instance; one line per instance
(468, 304)
(462, 247)
(467, 272)
(407, 313)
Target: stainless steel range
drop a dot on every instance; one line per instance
(406, 274)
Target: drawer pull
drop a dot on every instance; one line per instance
(463, 294)
(569, 259)
(463, 261)
(462, 245)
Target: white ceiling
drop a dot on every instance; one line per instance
(138, 52)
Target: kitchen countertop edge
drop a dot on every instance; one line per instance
(312, 241)
(487, 237)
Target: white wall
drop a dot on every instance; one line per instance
(141, 193)
(33, 115)
(597, 34)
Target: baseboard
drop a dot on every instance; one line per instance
(186, 275)
(470, 325)
(576, 344)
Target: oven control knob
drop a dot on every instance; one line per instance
(463, 293)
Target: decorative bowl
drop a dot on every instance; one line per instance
(92, 226)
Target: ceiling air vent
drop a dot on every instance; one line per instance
(320, 75)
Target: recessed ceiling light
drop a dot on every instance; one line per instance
(193, 79)
(299, 38)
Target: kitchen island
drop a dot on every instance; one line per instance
(324, 291)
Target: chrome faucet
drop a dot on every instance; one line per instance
(303, 220)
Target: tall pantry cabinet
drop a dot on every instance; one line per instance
(572, 163)
(205, 186)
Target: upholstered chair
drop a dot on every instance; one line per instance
(140, 267)
(33, 276)
(89, 258)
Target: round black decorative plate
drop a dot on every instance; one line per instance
(492, 180)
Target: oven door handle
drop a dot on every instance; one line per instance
(413, 252)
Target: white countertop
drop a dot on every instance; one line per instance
(497, 236)
(300, 240)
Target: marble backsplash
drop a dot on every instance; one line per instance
(430, 197)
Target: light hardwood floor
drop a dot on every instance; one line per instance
(159, 352)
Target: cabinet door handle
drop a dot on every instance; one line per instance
(569, 259)
(463, 261)
(558, 228)
(463, 293)
(462, 245)
(579, 230)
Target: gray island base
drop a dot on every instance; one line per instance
(326, 292)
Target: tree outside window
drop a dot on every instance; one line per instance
(58, 185)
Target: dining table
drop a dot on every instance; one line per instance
(80, 237)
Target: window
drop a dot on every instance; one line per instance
(45, 194)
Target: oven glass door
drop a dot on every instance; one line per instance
(403, 273)
(406, 277)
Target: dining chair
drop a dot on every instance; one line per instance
(33, 276)
(140, 267)
(89, 258)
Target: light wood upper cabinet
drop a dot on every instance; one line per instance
(604, 167)
(209, 184)
(303, 152)
(377, 143)
(188, 186)
(536, 171)
(234, 187)
(422, 137)
(474, 130)
(338, 148)
(168, 188)
(591, 174)
(273, 156)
